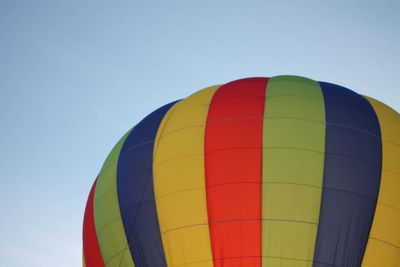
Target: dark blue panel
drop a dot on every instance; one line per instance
(353, 162)
(136, 192)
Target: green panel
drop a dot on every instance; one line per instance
(107, 217)
(293, 162)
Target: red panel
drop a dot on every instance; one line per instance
(91, 249)
(233, 162)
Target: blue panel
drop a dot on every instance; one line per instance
(353, 162)
(136, 192)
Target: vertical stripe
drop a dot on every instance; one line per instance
(91, 250)
(383, 248)
(136, 193)
(233, 150)
(107, 217)
(352, 174)
(179, 183)
(293, 162)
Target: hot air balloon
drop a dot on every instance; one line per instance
(274, 172)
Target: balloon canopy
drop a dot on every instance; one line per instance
(273, 172)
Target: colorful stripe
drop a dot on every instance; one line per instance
(179, 182)
(383, 248)
(293, 163)
(352, 174)
(91, 250)
(107, 217)
(136, 193)
(233, 155)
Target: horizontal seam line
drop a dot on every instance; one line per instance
(307, 185)
(179, 191)
(354, 158)
(134, 147)
(214, 101)
(323, 188)
(264, 118)
(235, 220)
(260, 183)
(321, 100)
(177, 158)
(385, 242)
(390, 142)
(260, 148)
(236, 118)
(387, 205)
(353, 128)
(349, 192)
(125, 177)
(293, 148)
(260, 256)
(393, 172)
(181, 129)
(313, 261)
(280, 117)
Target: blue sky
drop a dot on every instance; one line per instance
(75, 75)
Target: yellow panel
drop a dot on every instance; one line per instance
(179, 182)
(383, 248)
(380, 254)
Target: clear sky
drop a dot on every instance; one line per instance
(75, 75)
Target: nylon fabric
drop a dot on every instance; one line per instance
(107, 217)
(91, 250)
(292, 170)
(383, 248)
(258, 172)
(353, 159)
(233, 150)
(136, 192)
(179, 182)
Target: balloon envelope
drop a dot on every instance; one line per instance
(281, 171)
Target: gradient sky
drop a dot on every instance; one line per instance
(76, 75)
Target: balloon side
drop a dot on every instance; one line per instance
(281, 171)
